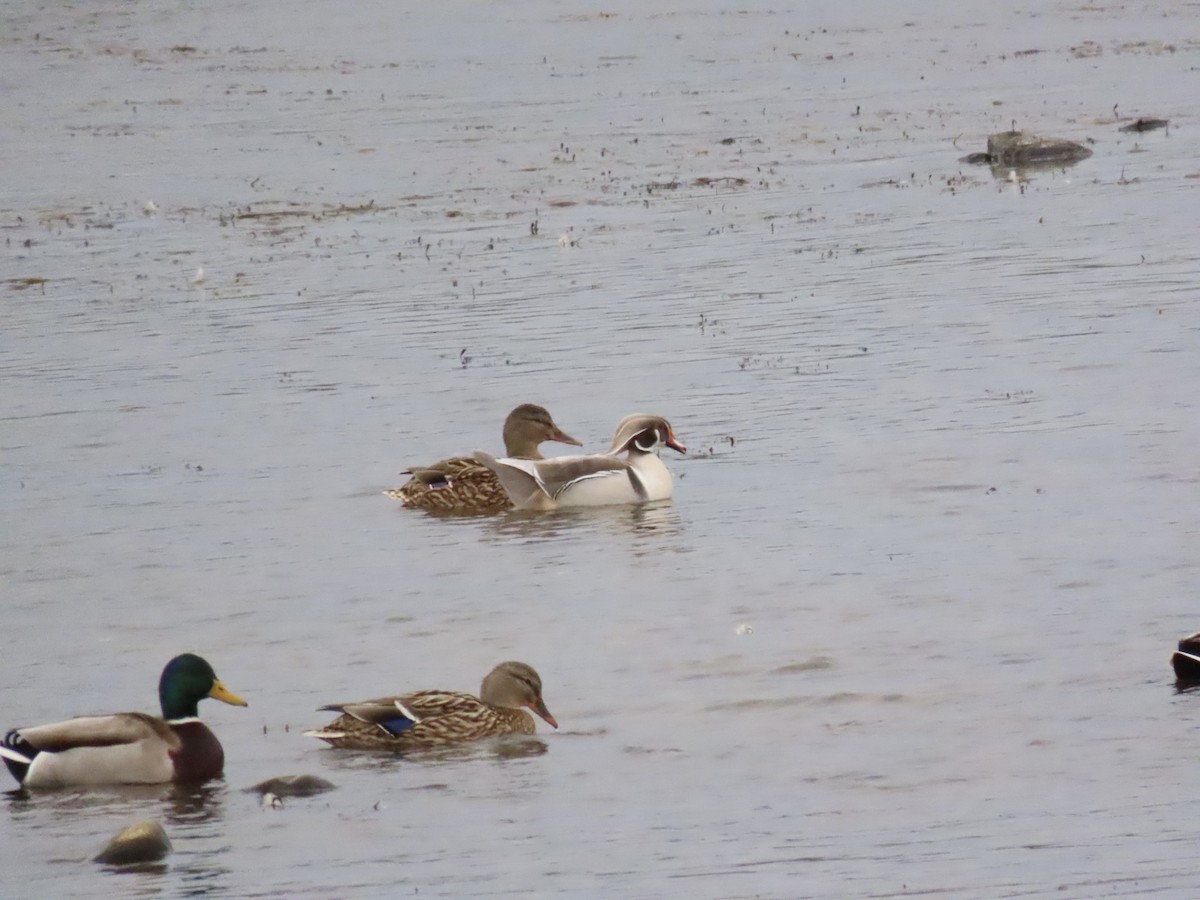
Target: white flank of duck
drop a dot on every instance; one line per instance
(597, 480)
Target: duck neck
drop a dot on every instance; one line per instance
(520, 446)
(177, 704)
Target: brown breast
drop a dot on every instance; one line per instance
(201, 755)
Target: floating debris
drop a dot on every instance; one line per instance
(719, 181)
(744, 628)
(291, 786)
(198, 278)
(1145, 125)
(20, 284)
(144, 842)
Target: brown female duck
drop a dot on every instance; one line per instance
(461, 484)
(427, 719)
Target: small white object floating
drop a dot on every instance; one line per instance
(198, 278)
(150, 208)
(744, 628)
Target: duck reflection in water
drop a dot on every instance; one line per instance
(188, 804)
(651, 519)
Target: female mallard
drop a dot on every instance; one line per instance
(604, 478)
(428, 719)
(460, 484)
(127, 748)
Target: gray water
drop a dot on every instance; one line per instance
(904, 629)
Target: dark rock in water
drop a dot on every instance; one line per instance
(1186, 660)
(145, 842)
(1018, 148)
(293, 786)
(1145, 125)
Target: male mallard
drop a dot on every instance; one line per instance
(605, 478)
(428, 719)
(460, 484)
(127, 748)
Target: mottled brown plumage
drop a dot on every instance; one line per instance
(427, 719)
(462, 485)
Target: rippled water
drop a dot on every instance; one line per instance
(905, 627)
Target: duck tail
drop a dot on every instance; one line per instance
(18, 754)
(324, 734)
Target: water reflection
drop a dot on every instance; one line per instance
(141, 880)
(1018, 176)
(504, 747)
(519, 748)
(652, 519)
(131, 368)
(99, 800)
(190, 804)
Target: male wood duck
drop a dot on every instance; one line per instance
(639, 476)
(462, 485)
(428, 719)
(127, 748)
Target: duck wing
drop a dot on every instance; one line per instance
(125, 748)
(98, 731)
(398, 714)
(443, 470)
(536, 484)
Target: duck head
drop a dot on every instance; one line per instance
(515, 685)
(642, 433)
(185, 681)
(527, 426)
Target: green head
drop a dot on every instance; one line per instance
(186, 680)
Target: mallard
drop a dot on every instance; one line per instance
(605, 478)
(128, 748)
(428, 719)
(461, 484)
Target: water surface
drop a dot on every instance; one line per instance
(904, 628)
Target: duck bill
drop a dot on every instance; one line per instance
(563, 438)
(225, 695)
(673, 442)
(540, 709)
